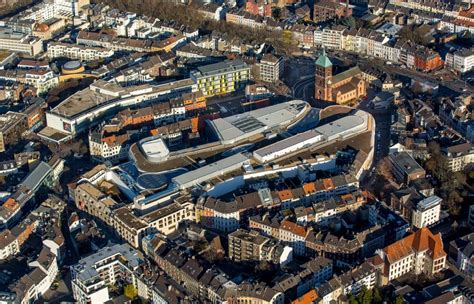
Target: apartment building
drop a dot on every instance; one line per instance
(459, 156)
(43, 271)
(289, 233)
(128, 226)
(8, 244)
(42, 80)
(420, 252)
(92, 275)
(461, 61)
(363, 275)
(251, 246)
(293, 235)
(461, 253)
(270, 68)
(470, 217)
(133, 227)
(330, 37)
(19, 42)
(77, 52)
(351, 281)
(427, 212)
(93, 201)
(167, 218)
(108, 148)
(11, 240)
(325, 10)
(229, 215)
(244, 18)
(221, 78)
(12, 127)
(259, 7)
(427, 60)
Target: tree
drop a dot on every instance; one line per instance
(367, 296)
(351, 299)
(130, 291)
(399, 300)
(348, 21)
(377, 297)
(276, 13)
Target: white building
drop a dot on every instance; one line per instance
(78, 52)
(19, 42)
(293, 235)
(287, 146)
(459, 156)
(42, 80)
(427, 212)
(270, 68)
(8, 244)
(354, 280)
(86, 108)
(461, 61)
(92, 275)
(332, 38)
(112, 148)
(420, 252)
(46, 263)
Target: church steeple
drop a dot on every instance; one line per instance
(323, 73)
(323, 60)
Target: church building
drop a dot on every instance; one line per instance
(342, 88)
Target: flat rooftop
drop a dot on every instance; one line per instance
(85, 269)
(429, 202)
(236, 126)
(407, 163)
(340, 125)
(127, 217)
(219, 68)
(162, 212)
(212, 170)
(288, 142)
(80, 102)
(102, 92)
(249, 237)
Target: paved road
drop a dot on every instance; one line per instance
(300, 89)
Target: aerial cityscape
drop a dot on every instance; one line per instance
(237, 151)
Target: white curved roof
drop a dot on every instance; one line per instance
(155, 149)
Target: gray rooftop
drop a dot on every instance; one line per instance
(35, 178)
(86, 267)
(287, 143)
(220, 68)
(241, 126)
(407, 163)
(429, 202)
(210, 171)
(340, 125)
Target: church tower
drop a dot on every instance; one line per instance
(323, 75)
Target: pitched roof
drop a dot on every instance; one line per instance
(293, 228)
(323, 60)
(420, 241)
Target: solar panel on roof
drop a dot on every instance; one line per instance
(247, 124)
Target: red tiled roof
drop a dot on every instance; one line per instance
(422, 240)
(294, 228)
